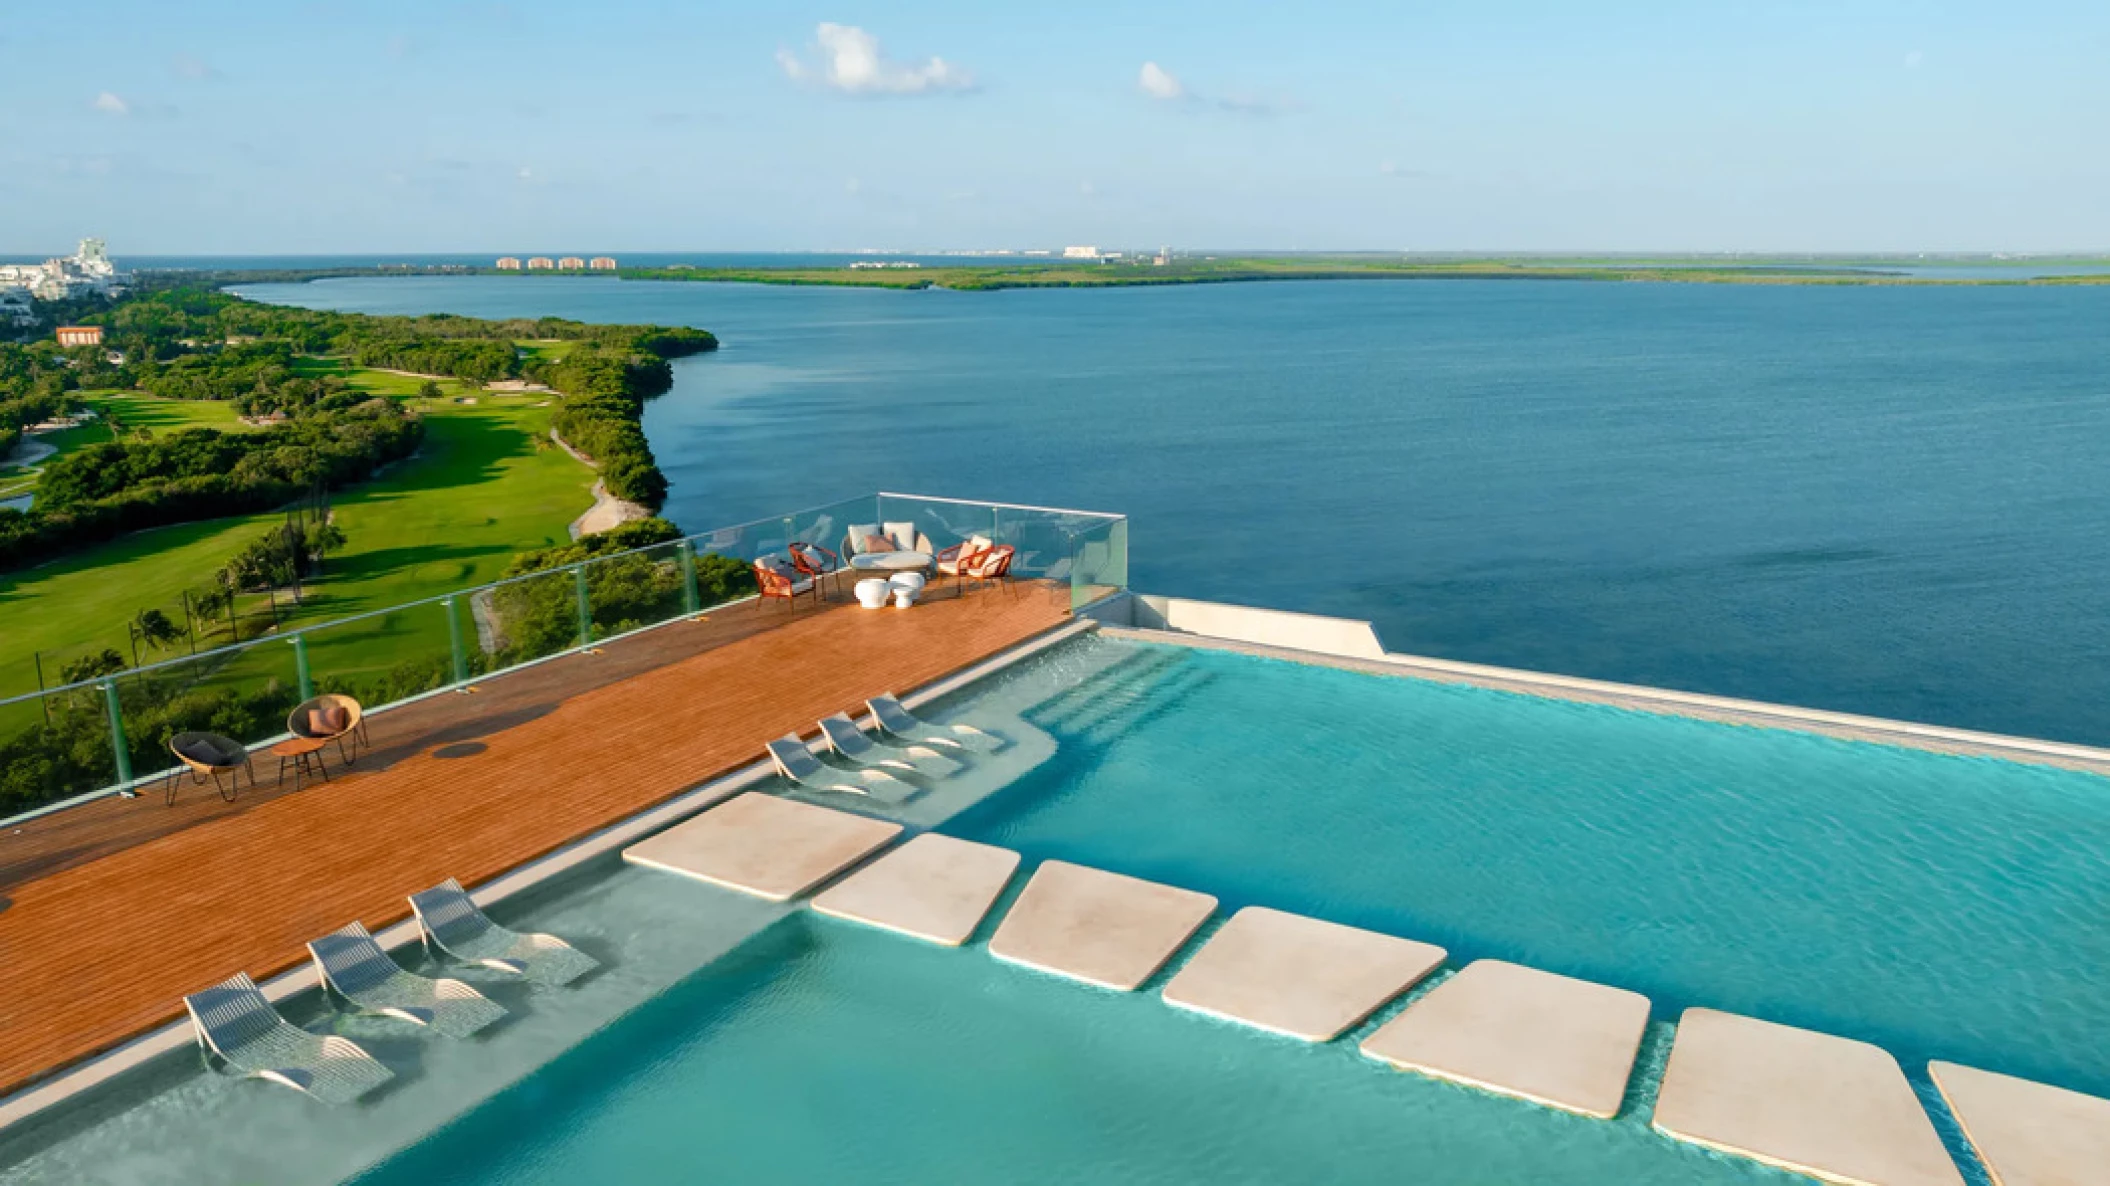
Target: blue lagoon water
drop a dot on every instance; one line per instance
(1886, 500)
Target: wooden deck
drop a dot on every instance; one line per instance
(110, 913)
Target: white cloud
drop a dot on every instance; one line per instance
(849, 61)
(109, 104)
(1159, 84)
(853, 187)
(1913, 59)
(526, 174)
(1163, 86)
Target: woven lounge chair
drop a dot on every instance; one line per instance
(452, 925)
(775, 577)
(900, 722)
(856, 746)
(797, 763)
(208, 755)
(354, 967)
(817, 562)
(331, 717)
(238, 1029)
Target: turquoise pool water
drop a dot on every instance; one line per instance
(1941, 907)
(823, 1052)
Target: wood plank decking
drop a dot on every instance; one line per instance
(111, 917)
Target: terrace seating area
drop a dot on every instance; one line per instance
(531, 761)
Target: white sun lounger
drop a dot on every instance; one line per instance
(856, 745)
(239, 1028)
(899, 722)
(354, 967)
(797, 763)
(454, 926)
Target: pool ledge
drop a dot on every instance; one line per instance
(1354, 646)
(94, 1072)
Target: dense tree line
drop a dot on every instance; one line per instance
(103, 490)
(604, 397)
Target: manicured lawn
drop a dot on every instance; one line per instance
(486, 484)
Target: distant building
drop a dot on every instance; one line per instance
(572, 263)
(602, 263)
(87, 271)
(508, 263)
(80, 335)
(1163, 257)
(541, 263)
(1086, 251)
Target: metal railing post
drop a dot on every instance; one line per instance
(578, 576)
(454, 642)
(119, 747)
(691, 599)
(300, 666)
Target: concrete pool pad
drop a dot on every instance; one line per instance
(1301, 977)
(2028, 1134)
(1825, 1106)
(766, 846)
(1099, 927)
(1550, 1039)
(934, 887)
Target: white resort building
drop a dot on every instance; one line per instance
(87, 271)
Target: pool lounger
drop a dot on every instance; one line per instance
(236, 1025)
(899, 722)
(354, 967)
(797, 763)
(452, 924)
(856, 745)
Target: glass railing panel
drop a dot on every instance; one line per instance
(1099, 564)
(382, 658)
(945, 522)
(532, 617)
(243, 694)
(637, 589)
(829, 526)
(53, 747)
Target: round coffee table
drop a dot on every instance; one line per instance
(304, 755)
(891, 562)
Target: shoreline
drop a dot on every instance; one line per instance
(1236, 270)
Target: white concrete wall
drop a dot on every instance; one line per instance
(1239, 623)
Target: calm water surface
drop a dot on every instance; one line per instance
(1887, 500)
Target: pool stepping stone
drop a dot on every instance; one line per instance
(1825, 1106)
(1300, 977)
(1099, 927)
(2028, 1134)
(1550, 1039)
(934, 887)
(766, 846)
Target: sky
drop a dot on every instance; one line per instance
(355, 126)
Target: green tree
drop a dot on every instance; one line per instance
(156, 630)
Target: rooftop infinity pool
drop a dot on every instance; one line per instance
(1938, 906)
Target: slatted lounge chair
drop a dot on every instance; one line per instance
(237, 1027)
(453, 925)
(900, 722)
(856, 746)
(354, 967)
(797, 763)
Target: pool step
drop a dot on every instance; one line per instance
(1118, 717)
(1127, 678)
